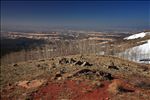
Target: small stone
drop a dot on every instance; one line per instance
(72, 61)
(57, 76)
(107, 98)
(15, 65)
(97, 84)
(113, 67)
(86, 64)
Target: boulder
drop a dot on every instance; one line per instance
(104, 75)
(118, 86)
(79, 63)
(98, 74)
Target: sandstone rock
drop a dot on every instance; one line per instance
(115, 86)
(30, 84)
(23, 84)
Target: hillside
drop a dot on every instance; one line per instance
(140, 51)
(78, 77)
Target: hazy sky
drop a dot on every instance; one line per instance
(98, 14)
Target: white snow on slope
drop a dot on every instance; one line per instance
(135, 36)
(144, 48)
(138, 53)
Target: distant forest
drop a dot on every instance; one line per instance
(14, 45)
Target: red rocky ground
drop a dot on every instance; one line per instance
(81, 90)
(74, 90)
(76, 78)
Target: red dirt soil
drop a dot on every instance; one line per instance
(72, 90)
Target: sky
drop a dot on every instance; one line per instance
(81, 14)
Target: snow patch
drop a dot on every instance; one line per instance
(138, 53)
(139, 35)
(144, 48)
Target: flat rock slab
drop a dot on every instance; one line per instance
(30, 84)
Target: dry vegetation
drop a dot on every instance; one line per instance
(83, 76)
